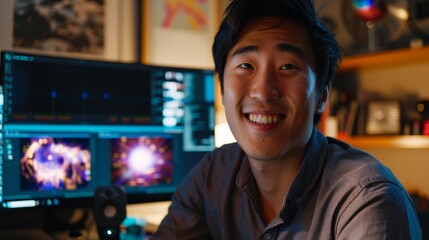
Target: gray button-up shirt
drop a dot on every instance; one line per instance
(339, 193)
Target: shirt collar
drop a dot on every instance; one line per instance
(246, 181)
(311, 169)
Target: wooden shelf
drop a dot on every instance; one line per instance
(385, 58)
(397, 142)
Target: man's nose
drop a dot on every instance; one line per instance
(265, 86)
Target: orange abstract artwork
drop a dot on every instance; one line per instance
(193, 11)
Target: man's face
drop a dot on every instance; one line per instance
(269, 92)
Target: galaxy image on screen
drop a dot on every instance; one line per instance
(55, 164)
(142, 161)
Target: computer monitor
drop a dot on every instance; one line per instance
(69, 126)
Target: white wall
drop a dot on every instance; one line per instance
(397, 80)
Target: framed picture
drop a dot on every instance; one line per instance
(383, 117)
(104, 29)
(179, 32)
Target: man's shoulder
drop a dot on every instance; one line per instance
(225, 159)
(350, 172)
(348, 163)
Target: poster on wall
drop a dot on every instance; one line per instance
(179, 32)
(63, 26)
(96, 29)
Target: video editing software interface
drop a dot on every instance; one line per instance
(69, 126)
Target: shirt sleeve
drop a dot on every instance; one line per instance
(381, 210)
(186, 218)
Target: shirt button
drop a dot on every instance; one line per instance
(267, 236)
(298, 199)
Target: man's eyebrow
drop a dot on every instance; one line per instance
(245, 49)
(285, 47)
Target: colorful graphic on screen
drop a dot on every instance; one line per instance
(142, 161)
(55, 164)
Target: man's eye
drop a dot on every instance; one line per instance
(288, 67)
(246, 66)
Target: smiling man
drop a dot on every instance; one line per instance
(283, 179)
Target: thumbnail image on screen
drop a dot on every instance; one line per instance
(55, 164)
(142, 161)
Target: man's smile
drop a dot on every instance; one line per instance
(265, 118)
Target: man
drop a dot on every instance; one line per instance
(283, 179)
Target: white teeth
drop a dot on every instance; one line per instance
(263, 118)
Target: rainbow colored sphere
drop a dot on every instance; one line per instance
(369, 10)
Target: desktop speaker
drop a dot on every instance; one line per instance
(109, 211)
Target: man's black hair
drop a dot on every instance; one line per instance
(241, 12)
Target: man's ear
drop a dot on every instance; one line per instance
(323, 99)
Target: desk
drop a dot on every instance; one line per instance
(152, 213)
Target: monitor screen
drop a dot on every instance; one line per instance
(69, 126)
